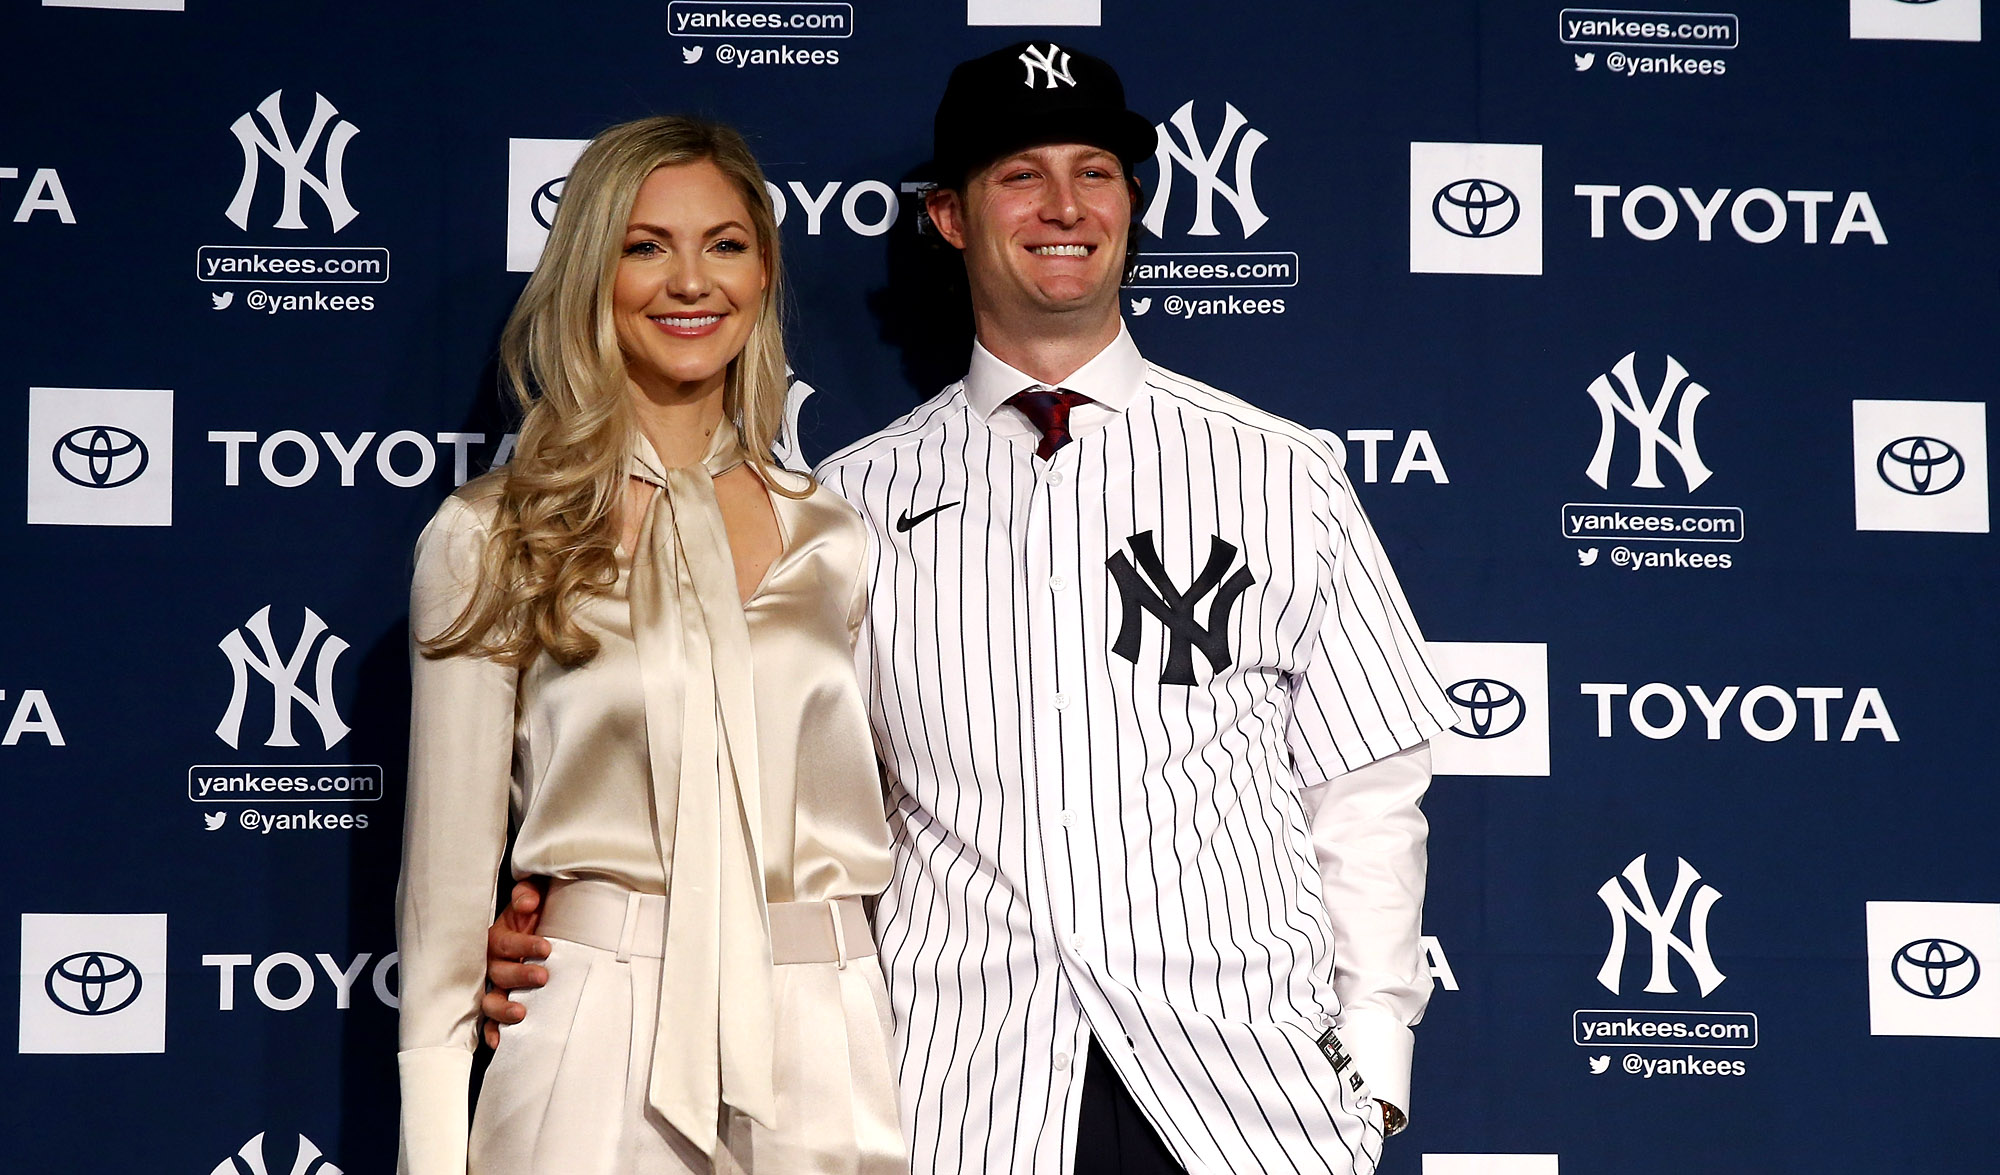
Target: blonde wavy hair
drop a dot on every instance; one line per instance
(553, 540)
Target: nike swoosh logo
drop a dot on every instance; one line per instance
(908, 520)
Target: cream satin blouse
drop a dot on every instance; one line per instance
(609, 771)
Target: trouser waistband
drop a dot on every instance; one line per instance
(610, 917)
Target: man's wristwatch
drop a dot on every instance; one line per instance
(1393, 1119)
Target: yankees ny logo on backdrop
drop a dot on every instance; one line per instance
(283, 674)
(1659, 922)
(1176, 608)
(295, 159)
(1204, 170)
(1648, 418)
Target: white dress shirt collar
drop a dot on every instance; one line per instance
(1112, 379)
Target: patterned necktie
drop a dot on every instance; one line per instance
(1048, 410)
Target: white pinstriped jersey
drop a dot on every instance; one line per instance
(1097, 683)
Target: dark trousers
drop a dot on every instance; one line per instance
(1113, 1136)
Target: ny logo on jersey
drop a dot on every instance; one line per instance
(1052, 61)
(295, 159)
(1204, 167)
(1659, 923)
(1175, 608)
(1647, 418)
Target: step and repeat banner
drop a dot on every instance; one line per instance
(1659, 344)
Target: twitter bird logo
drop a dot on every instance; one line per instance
(213, 820)
(690, 54)
(1600, 1064)
(221, 301)
(1141, 305)
(1586, 558)
(1584, 61)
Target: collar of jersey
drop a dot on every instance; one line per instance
(1112, 377)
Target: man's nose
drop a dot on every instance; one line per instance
(1060, 204)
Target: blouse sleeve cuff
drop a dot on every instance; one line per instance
(436, 1110)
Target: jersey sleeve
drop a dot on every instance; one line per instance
(1368, 690)
(454, 833)
(1362, 712)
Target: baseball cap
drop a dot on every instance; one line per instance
(1028, 93)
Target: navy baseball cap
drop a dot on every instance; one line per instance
(1029, 93)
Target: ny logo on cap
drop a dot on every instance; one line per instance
(1052, 61)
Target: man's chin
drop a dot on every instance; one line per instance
(1073, 298)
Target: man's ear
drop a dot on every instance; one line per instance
(946, 208)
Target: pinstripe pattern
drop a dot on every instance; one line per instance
(1083, 851)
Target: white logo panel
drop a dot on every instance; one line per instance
(1501, 693)
(1931, 969)
(536, 169)
(1490, 1165)
(1037, 12)
(1476, 208)
(93, 983)
(100, 457)
(131, 5)
(1913, 20)
(1920, 465)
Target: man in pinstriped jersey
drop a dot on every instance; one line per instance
(1150, 704)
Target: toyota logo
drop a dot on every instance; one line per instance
(93, 983)
(542, 205)
(1935, 969)
(1475, 208)
(100, 457)
(1920, 465)
(1492, 707)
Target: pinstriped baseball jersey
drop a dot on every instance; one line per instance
(1097, 683)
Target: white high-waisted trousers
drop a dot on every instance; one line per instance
(566, 1092)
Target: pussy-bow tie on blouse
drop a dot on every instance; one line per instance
(714, 1042)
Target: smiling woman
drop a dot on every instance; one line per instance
(690, 283)
(636, 654)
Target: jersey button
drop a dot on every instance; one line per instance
(1055, 477)
(1068, 818)
(1061, 701)
(1057, 583)
(1062, 1061)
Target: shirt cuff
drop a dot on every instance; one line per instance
(436, 1110)
(1381, 1048)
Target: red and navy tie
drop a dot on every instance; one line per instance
(1048, 409)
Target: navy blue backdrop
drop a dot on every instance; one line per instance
(1659, 345)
